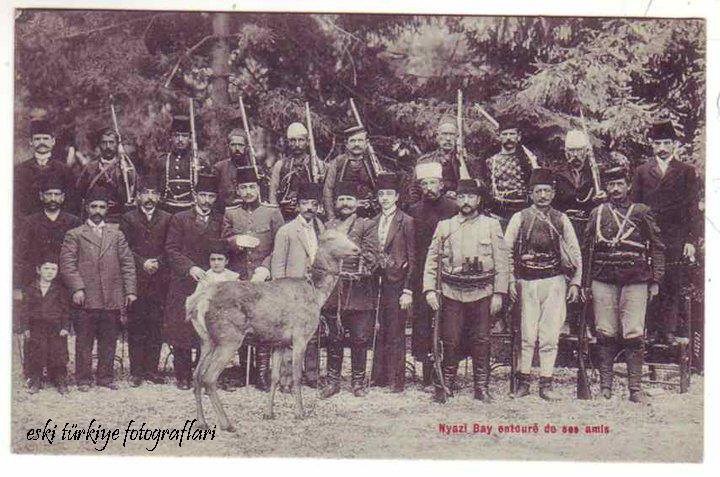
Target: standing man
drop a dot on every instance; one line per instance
(249, 230)
(353, 300)
(294, 252)
(467, 264)
(396, 237)
(543, 249)
(178, 169)
(190, 236)
(507, 173)
(670, 188)
(98, 268)
(291, 171)
(145, 229)
(29, 174)
(352, 166)
(227, 169)
(433, 207)
(627, 264)
(107, 171)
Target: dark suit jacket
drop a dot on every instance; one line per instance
(147, 240)
(398, 255)
(52, 309)
(673, 198)
(28, 176)
(102, 266)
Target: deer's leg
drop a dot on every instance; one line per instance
(298, 355)
(205, 353)
(217, 361)
(276, 370)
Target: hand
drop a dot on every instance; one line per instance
(151, 265)
(653, 290)
(246, 241)
(17, 294)
(496, 303)
(26, 334)
(197, 273)
(79, 297)
(405, 301)
(512, 290)
(432, 300)
(64, 332)
(261, 274)
(129, 299)
(586, 294)
(573, 294)
(689, 252)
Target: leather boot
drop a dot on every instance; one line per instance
(522, 387)
(62, 385)
(634, 357)
(607, 348)
(334, 365)
(481, 372)
(427, 373)
(545, 389)
(448, 371)
(262, 358)
(358, 361)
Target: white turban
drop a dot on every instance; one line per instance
(428, 170)
(296, 130)
(576, 139)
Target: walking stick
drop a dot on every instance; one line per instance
(437, 351)
(376, 328)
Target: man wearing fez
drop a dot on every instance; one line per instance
(29, 174)
(296, 244)
(670, 188)
(627, 266)
(352, 302)
(543, 249)
(507, 173)
(177, 169)
(249, 230)
(187, 250)
(98, 268)
(145, 229)
(433, 207)
(396, 237)
(107, 171)
(352, 166)
(227, 169)
(291, 171)
(467, 264)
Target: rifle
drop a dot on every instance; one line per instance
(437, 351)
(377, 325)
(377, 168)
(531, 157)
(583, 384)
(246, 127)
(464, 173)
(126, 165)
(315, 171)
(594, 170)
(193, 139)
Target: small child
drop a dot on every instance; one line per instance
(217, 272)
(45, 318)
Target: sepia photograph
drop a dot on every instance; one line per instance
(357, 235)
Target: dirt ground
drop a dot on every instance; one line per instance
(381, 425)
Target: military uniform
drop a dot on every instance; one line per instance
(507, 175)
(347, 168)
(108, 174)
(288, 174)
(177, 172)
(227, 172)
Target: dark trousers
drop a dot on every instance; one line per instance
(664, 310)
(360, 325)
(389, 358)
(182, 363)
(103, 326)
(144, 329)
(45, 348)
(460, 319)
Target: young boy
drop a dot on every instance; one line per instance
(217, 272)
(45, 319)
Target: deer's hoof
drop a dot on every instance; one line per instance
(268, 416)
(230, 428)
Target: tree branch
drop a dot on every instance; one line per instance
(105, 28)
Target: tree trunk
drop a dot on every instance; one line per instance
(220, 55)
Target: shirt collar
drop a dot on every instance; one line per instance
(304, 223)
(390, 213)
(52, 216)
(199, 211)
(42, 160)
(148, 213)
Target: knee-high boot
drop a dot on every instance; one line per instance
(481, 371)
(607, 348)
(334, 366)
(262, 358)
(634, 357)
(358, 358)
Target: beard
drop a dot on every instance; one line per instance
(52, 206)
(96, 218)
(149, 204)
(107, 154)
(345, 212)
(468, 210)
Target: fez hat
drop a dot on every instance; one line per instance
(296, 130)
(41, 126)
(388, 181)
(615, 169)
(100, 132)
(428, 170)
(97, 193)
(52, 181)
(468, 186)
(219, 247)
(349, 132)
(507, 122)
(662, 130)
(149, 181)
(346, 188)
(207, 183)
(246, 175)
(309, 190)
(542, 176)
(48, 256)
(180, 124)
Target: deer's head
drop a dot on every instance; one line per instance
(337, 245)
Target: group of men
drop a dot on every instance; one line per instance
(473, 243)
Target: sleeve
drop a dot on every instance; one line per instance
(431, 267)
(178, 262)
(588, 246)
(409, 236)
(20, 255)
(69, 269)
(694, 216)
(500, 257)
(278, 261)
(369, 245)
(65, 309)
(572, 248)
(651, 231)
(23, 314)
(276, 221)
(274, 182)
(511, 235)
(127, 266)
(637, 187)
(126, 228)
(328, 188)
